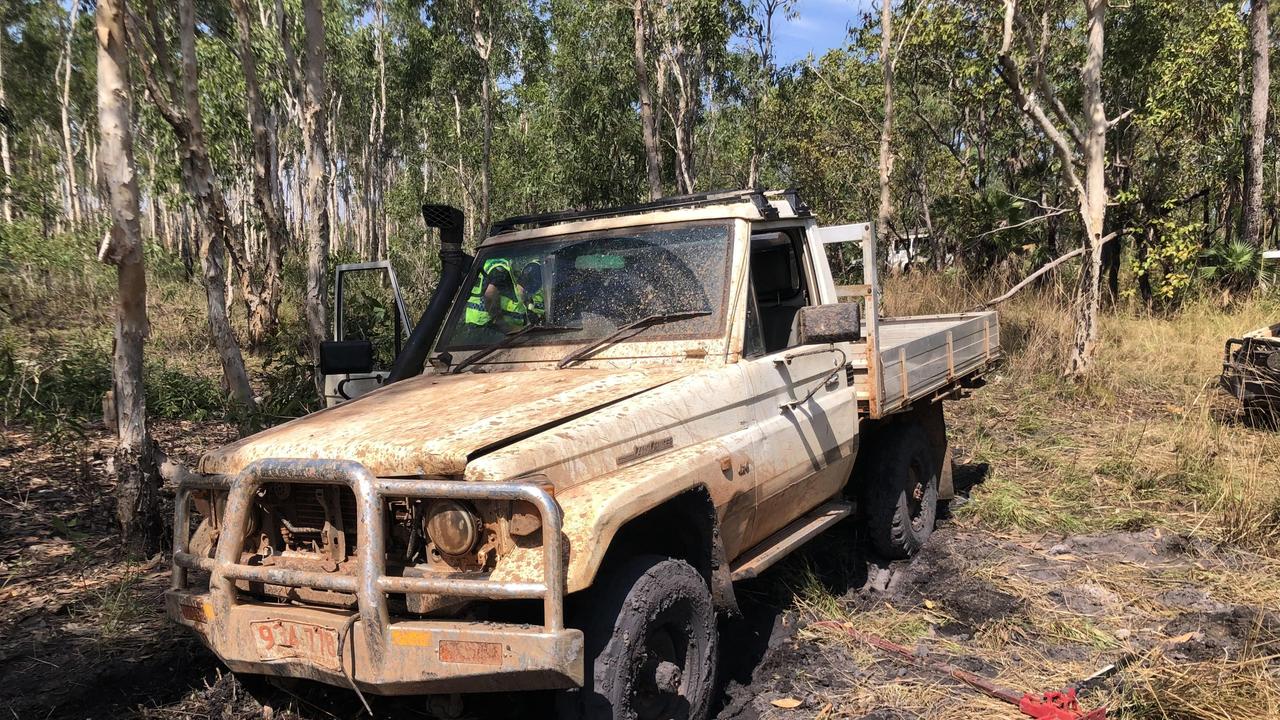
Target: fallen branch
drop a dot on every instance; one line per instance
(1044, 269)
(1027, 280)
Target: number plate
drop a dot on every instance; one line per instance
(284, 640)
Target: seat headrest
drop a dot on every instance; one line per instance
(773, 271)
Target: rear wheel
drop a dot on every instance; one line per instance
(901, 489)
(650, 644)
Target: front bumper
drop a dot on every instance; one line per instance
(372, 651)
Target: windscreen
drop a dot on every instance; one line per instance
(594, 283)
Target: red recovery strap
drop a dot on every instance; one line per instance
(1052, 705)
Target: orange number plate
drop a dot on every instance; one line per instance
(284, 640)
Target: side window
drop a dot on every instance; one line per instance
(780, 288)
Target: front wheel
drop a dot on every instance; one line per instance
(650, 643)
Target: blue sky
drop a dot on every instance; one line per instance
(821, 25)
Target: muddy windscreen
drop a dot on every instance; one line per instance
(591, 284)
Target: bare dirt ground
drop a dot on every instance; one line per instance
(82, 634)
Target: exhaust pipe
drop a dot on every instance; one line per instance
(453, 264)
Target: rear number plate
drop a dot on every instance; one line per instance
(284, 640)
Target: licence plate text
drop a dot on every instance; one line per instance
(284, 640)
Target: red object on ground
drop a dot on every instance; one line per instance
(1055, 705)
(1052, 705)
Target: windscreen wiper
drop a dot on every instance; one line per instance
(635, 325)
(507, 341)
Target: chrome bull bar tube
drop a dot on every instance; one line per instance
(370, 584)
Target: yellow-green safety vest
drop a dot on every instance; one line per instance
(477, 313)
(537, 304)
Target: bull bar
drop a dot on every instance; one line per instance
(550, 656)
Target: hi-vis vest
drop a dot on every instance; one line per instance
(537, 305)
(477, 313)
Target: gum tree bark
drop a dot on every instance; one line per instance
(1259, 101)
(64, 103)
(648, 114)
(266, 180)
(136, 464)
(6, 161)
(317, 152)
(1072, 144)
(179, 105)
(885, 214)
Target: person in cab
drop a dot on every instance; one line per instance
(505, 300)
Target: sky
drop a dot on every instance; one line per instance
(821, 25)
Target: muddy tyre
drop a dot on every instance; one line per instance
(650, 644)
(901, 495)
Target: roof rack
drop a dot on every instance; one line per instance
(716, 197)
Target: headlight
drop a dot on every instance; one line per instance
(452, 527)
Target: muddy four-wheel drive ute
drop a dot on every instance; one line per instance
(600, 423)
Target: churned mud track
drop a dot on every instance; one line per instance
(1035, 613)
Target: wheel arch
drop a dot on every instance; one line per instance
(929, 416)
(664, 505)
(685, 527)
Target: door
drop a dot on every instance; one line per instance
(803, 398)
(369, 327)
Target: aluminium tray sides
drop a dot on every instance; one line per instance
(921, 355)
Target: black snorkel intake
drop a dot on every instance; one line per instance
(453, 265)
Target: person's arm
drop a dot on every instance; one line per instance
(493, 302)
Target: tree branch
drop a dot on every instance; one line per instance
(1007, 69)
(1043, 269)
(1029, 221)
(163, 103)
(1119, 118)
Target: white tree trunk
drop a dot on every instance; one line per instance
(6, 199)
(316, 148)
(137, 473)
(64, 102)
(885, 214)
(1093, 205)
(1259, 102)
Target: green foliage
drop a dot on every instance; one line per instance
(59, 390)
(288, 378)
(1234, 264)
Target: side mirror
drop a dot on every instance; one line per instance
(837, 322)
(346, 357)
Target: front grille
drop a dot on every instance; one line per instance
(302, 512)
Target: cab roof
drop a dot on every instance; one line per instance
(721, 204)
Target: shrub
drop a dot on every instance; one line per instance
(58, 390)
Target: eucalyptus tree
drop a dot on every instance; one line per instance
(175, 94)
(267, 194)
(1259, 103)
(317, 153)
(759, 21)
(135, 460)
(6, 159)
(1072, 142)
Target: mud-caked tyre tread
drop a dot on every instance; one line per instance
(888, 484)
(623, 599)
